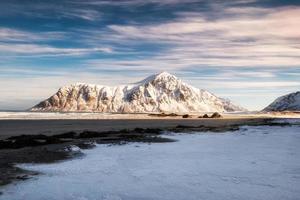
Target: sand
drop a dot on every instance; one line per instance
(18, 123)
(10, 128)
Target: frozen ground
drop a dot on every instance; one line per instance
(260, 163)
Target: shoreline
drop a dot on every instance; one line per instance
(15, 127)
(24, 115)
(44, 146)
(57, 147)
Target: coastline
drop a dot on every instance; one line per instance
(15, 127)
(30, 115)
(89, 132)
(51, 123)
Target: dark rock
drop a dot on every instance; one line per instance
(216, 115)
(5, 144)
(89, 134)
(138, 130)
(153, 130)
(164, 115)
(86, 145)
(53, 140)
(24, 142)
(183, 127)
(124, 131)
(22, 177)
(70, 134)
(205, 116)
(33, 137)
(186, 116)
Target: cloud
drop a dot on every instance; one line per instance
(85, 14)
(50, 10)
(238, 36)
(132, 2)
(157, 3)
(16, 42)
(280, 23)
(46, 50)
(252, 85)
(16, 35)
(246, 37)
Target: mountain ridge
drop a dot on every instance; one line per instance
(161, 92)
(288, 102)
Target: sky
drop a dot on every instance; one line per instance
(244, 50)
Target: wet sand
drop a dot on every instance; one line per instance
(49, 127)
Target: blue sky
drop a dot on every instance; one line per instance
(245, 50)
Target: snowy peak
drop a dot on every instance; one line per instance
(160, 77)
(165, 77)
(289, 102)
(162, 82)
(161, 92)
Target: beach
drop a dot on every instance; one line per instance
(50, 138)
(257, 160)
(32, 123)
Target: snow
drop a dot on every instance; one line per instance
(72, 148)
(256, 163)
(289, 102)
(158, 93)
(58, 115)
(69, 115)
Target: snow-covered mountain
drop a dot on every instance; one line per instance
(158, 93)
(289, 102)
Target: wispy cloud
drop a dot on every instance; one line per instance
(16, 35)
(16, 42)
(50, 10)
(45, 50)
(248, 37)
(252, 85)
(85, 14)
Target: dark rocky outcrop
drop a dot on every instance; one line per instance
(186, 116)
(205, 116)
(216, 115)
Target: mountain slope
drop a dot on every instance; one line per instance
(158, 93)
(289, 102)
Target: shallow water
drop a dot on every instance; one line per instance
(255, 163)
